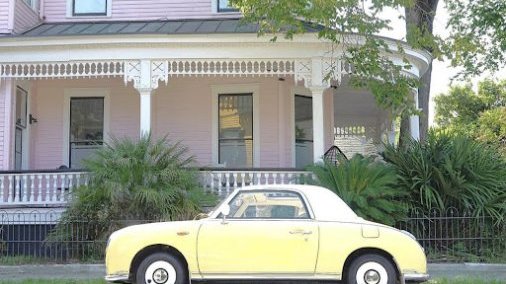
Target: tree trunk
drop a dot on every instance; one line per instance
(421, 17)
(404, 131)
(423, 102)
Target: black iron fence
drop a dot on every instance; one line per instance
(38, 237)
(451, 236)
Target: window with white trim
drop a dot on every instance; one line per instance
(86, 128)
(235, 130)
(90, 7)
(303, 131)
(224, 6)
(31, 3)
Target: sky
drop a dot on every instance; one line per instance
(442, 73)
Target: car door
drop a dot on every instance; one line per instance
(267, 233)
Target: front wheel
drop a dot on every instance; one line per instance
(161, 268)
(371, 269)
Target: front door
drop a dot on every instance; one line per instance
(267, 234)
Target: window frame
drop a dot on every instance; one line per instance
(296, 91)
(297, 95)
(82, 93)
(231, 89)
(71, 11)
(216, 8)
(302, 197)
(252, 139)
(103, 126)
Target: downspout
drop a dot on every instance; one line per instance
(41, 10)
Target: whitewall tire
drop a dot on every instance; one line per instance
(161, 268)
(371, 269)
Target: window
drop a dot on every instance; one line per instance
(268, 205)
(31, 3)
(86, 128)
(303, 131)
(235, 130)
(89, 7)
(224, 6)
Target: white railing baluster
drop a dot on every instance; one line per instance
(54, 189)
(32, 188)
(10, 188)
(47, 190)
(39, 189)
(24, 188)
(17, 190)
(63, 179)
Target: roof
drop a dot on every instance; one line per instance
(193, 26)
(325, 204)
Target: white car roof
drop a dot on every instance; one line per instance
(324, 203)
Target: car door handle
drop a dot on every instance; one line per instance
(300, 232)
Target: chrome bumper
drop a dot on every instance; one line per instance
(415, 277)
(120, 278)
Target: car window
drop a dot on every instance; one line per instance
(268, 205)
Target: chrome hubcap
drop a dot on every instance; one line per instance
(372, 277)
(160, 276)
(160, 272)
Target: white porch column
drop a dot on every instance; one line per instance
(414, 120)
(145, 114)
(145, 75)
(318, 123)
(7, 102)
(318, 86)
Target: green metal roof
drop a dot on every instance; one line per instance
(200, 26)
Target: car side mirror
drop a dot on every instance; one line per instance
(225, 211)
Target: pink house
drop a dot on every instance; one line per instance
(73, 73)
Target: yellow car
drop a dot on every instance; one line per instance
(288, 232)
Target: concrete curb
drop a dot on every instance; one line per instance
(97, 271)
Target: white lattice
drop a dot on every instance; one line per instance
(132, 72)
(57, 70)
(303, 71)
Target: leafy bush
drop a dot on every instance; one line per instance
(368, 187)
(133, 181)
(452, 171)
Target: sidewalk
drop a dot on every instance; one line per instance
(97, 271)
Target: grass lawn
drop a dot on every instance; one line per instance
(98, 281)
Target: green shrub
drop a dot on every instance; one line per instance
(368, 187)
(450, 170)
(132, 182)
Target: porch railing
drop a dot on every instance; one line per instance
(39, 187)
(224, 181)
(54, 187)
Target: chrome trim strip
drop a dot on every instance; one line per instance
(416, 277)
(266, 276)
(116, 278)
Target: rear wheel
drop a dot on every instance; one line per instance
(371, 269)
(161, 268)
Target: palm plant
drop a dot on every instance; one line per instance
(134, 181)
(451, 170)
(368, 187)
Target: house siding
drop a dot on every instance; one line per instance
(24, 17)
(182, 109)
(48, 107)
(56, 10)
(4, 17)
